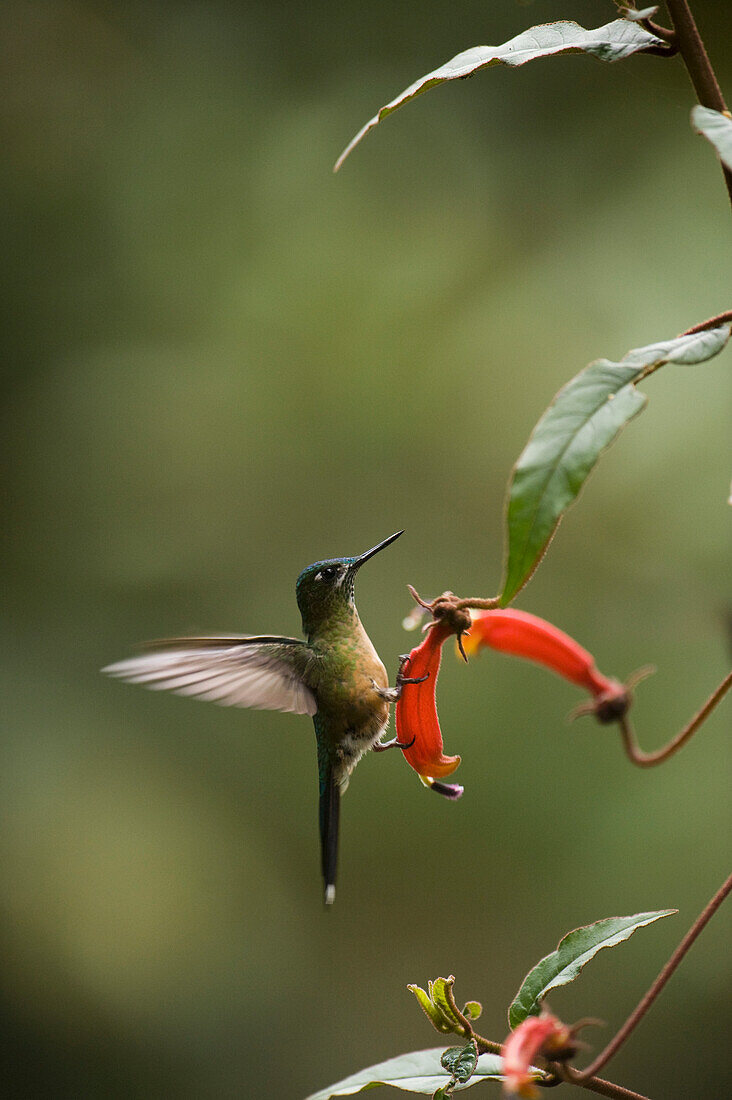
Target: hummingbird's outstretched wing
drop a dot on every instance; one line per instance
(265, 672)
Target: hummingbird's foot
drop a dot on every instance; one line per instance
(390, 694)
(402, 679)
(395, 743)
(393, 695)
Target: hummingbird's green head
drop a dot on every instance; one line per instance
(325, 589)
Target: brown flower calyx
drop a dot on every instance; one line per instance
(447, 608)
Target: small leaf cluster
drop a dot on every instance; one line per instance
(438, 1003)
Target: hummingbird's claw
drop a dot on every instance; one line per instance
(395, 743)
(402, 679)
(393, 695)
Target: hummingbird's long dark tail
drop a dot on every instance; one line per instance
(330, 803)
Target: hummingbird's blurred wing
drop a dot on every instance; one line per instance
(265, 672)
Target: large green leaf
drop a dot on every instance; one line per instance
(582, 420)
(716, 128)
(573, 952)
(616, 40)
(421, 1071)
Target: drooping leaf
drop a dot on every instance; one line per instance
(572, 954)
(421, 1072)
(614, 41)
(716, 128)
(582, 420)
(461, 1061)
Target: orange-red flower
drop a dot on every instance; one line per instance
(417, 724)
(543, 1036)
(526, 635)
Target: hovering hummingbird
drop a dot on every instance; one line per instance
(335, 676)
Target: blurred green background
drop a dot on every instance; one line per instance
(222, 363)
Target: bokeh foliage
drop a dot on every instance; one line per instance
(222, 363)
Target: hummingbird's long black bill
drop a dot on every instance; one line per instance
(359, 561)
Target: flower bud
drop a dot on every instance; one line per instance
(537, 1036)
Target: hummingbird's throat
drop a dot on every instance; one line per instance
(348, 585)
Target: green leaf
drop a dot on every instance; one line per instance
(439, 996)
(421, 1071)
(461, 1061)
(431, 1011)
(716, 128)
(612, 42)
(572, 954)
(473, 1010)
(582, 420)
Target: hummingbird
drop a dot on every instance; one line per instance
(335, 675)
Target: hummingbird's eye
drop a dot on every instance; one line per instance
(328, 573)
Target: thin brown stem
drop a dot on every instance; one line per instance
(487, 1046)
(639, 1012)
(649, 759)
(660, 32)
(698, 65)
(478, 603)
(609, 1088)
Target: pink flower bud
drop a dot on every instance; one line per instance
(538, 1036)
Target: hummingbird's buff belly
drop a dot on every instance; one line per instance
(351, 710)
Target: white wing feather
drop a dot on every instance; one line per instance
(230, 675)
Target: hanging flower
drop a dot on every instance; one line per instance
(524, 635)
(537, 1036)
(417, 724)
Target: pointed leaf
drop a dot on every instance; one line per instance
(421, 1072)
(432, 1012)
(582, 420)
(572, 954)
(716, 128)
(461, 1061)
(614, 41)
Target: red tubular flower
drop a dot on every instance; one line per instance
(416, 714)
(543, 1036)
(526, 635)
